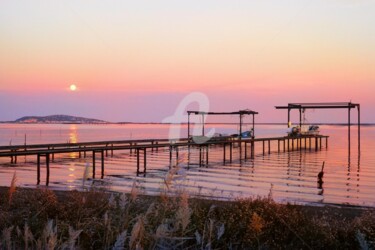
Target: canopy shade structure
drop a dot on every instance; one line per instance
(240, 113)
(326, 105)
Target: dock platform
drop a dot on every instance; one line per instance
(141, 147)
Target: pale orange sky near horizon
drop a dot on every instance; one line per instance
(126, 55)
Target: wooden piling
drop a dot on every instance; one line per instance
(144, 161)
(137, 161)
(224, 149)
(38, 169)
(207, 152)
(269, 146)
(48, 172)
(230, 151)
(263, 146)
(102, 176)
(93, 164)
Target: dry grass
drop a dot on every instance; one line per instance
(95, 219)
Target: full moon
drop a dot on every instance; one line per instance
(73, 87)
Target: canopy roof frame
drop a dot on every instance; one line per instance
(241, 113)
(326, 105)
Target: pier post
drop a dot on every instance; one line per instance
(230, 151)
(269, 146)
(224, 147)
(246, 150)
(310, 143)
(84, 152)
(252, 149)
(170, 157)
(263, 147)
(38, 169)
(316, 143)
(47, 165)
(79, 153)
(103, 163)
(326, 142)
(292, 144)
(320, 142)
(288, 145)
(284, 145)
(93, 164)
(144, 161)
(106, 150)
(112, 150)
(137, 161)
(207, 155)
(278, 146)
(200, 155)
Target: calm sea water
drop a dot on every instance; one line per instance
(349, 178)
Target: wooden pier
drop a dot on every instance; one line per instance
(141, 147)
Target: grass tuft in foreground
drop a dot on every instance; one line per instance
(41, 219)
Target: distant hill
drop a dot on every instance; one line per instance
(57, 119)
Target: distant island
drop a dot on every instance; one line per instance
(58, 119)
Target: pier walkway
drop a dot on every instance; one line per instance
(141, 147)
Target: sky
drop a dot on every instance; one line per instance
(137, 60)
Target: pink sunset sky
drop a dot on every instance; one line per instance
(136, 60)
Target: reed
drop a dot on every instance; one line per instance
(98, 219)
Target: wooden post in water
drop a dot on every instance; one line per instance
(38, 169)
(263, 146)
(84, 152)
(137, 161)
(230, 151)
(288, 145)
(112, 150)
(269, 146)
(144, 161)
(245, 150)
(103, 163)
(93, 164)
(349, 130)
(207, 156)
(278, 146)
(224, 147)
(252, 149)
(47, 165)
(200, 155)
(170, 157)
(316, 143)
